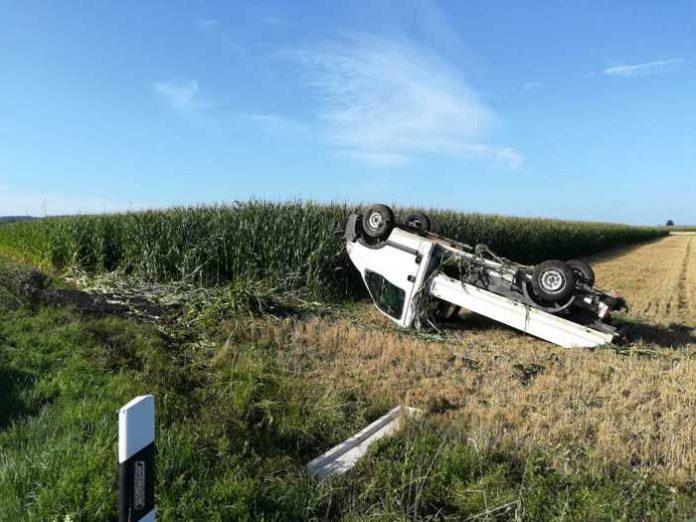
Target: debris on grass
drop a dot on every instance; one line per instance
(527, 372)
(345, 455)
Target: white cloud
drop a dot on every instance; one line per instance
(378, 159)
(215, 30)
(641, 69)
(206, 23)
(509, 158)
(183, 95)
(530, 86)
(386, 103)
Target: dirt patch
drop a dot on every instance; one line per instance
(527, 372)
(25, 283)
(31, 287)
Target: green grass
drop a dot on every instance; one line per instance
(57, 415)
(298, 245)
(235, 426)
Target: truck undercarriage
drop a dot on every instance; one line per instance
(416, 277)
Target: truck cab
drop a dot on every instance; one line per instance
(393, 272)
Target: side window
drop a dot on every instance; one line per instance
(388, 297)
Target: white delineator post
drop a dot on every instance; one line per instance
(136, 460)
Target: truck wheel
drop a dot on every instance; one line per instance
(378, 221)
(419, 221)
(553, 281)
(582, 271)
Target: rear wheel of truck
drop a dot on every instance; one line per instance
(378, 221)
(553, 281)
(419, 221)
(583, 271)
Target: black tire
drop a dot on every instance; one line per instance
(378, 221)
(419, 221)
(583, 271)
(553, 281)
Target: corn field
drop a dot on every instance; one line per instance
(297, 245)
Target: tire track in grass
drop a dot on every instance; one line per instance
(682, 287)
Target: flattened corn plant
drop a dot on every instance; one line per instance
(298, 245)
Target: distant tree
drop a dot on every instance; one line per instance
(12, 219)
(670, 223)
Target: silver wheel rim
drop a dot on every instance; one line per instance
(375, 220)
(552, 281)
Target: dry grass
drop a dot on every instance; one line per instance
(634, 407)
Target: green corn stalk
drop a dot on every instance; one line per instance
(295, 245)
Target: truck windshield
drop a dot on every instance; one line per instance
(388, 297)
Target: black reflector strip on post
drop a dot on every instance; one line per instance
(136, 460)
(137, 485)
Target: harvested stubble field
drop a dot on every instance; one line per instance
(251, 385)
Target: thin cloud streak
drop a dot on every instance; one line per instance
(530, 86)
(386, 104)
(509, 158)
(214, 29)
(378, 159)
(181, 95)
(641, 69)
(280, 126)
(206, 23)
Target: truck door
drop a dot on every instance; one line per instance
(388, 297)
(393, 272)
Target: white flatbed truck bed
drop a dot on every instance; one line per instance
(515, 314)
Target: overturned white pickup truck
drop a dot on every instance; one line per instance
(416, 277)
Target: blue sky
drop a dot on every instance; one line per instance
(580, 110)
